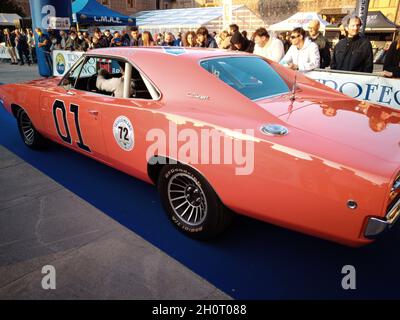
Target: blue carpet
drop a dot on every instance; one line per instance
(252, 260)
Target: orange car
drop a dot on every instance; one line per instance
(221, 132)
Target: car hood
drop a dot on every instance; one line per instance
(369, 128)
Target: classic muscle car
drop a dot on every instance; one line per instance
(221, 132)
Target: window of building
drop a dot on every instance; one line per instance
(130, 4)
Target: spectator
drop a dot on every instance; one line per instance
(322, 43)
(31, 45)
(189, 39)
(224, 40)
(244, 34)
(108, 36)
(136, 38)
(44, 45)
(268, 47)
(233, 28)
(22, 47)
(240, 43)
(125, 38)
(1, 36)
(102, 41)
(169, 40)
(63, 39)
(9, 40)
(343, 33)
(391, 66)
(204, 40)
(54, 41)
(147, 39)
(178, 40)
(353, 53)
(72, 43)
(117, 41)
(160, 39)
(303, 55)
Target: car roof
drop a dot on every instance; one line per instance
(155, 53)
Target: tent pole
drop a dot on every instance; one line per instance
(77, 26)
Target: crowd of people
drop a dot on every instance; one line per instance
(299, 49)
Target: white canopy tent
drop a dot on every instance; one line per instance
(9, 19)
(182, 20)
(300, 19)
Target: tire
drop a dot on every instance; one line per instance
(191, 203)
(30, 136)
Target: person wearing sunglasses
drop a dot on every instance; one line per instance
(303, 54)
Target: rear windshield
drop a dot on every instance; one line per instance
(251, 76)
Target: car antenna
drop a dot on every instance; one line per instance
(293, 96)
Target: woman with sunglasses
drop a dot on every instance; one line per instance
(303, 55)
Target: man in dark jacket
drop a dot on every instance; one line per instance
(322, 43)
(22, 47)
(240, 43)
(204, 40)
(353, 53)
(391, 66)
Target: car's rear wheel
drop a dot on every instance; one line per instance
(30, 136)
(191, 203)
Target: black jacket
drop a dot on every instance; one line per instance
(353, 54)
(246, 44)
(392, 60)
(324, 50)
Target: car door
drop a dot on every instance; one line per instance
(72, 115)
(127, 122)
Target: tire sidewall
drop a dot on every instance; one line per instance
(19, 120)
(213, 206)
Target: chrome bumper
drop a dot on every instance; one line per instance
(376, 226)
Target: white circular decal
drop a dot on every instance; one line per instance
(123, 133)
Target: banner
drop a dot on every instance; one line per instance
(4, 53)
(362, 12)
(362, 86)
(53, 14)
(63, 61)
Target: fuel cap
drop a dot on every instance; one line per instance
(274, 130)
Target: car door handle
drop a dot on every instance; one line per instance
(93, 112)
(71, 93)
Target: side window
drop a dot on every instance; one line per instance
(108, 76)
(68, 82)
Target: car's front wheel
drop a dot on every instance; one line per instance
(31, 137)
(191, 203)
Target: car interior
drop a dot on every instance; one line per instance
(88, 82)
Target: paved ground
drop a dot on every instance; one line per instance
(15, 73)
(42, 223)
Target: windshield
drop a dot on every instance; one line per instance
(251, 76)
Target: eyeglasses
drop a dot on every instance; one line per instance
(294, 37)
